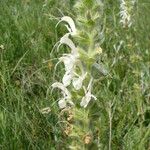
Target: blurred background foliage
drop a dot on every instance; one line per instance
(28, 34)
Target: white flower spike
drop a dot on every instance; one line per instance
(88, 96)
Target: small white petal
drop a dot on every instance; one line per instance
(71, 23)
(62, 103)
(94, 97)
(68, 28)
(85, 100)
(69, 61)
(63, 88)
(67, 79)
(88, 96)
(90, 85)
(65, 40)
(77, 82)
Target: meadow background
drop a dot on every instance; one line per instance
(27, 36)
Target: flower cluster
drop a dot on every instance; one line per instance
(75, 73)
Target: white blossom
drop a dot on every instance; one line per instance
(67, 78)
(71, 28)
(88, 96)
(65, 40)
(66, 95)
(77, 82)
(69, 61)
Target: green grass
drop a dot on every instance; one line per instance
(28, 35)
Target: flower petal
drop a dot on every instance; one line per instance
(65, 40)
(71, 23)
(85, 100)
(88, 96)
(62, 103)
(69, 61)
(63, 88)
(67, 78)
(77, 82)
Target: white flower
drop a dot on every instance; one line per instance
(65, 40)
(77, 82)
(69, 61)
(67, 78)
(72, 31)
(88, 96)
(66, 95)
(69, 20)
